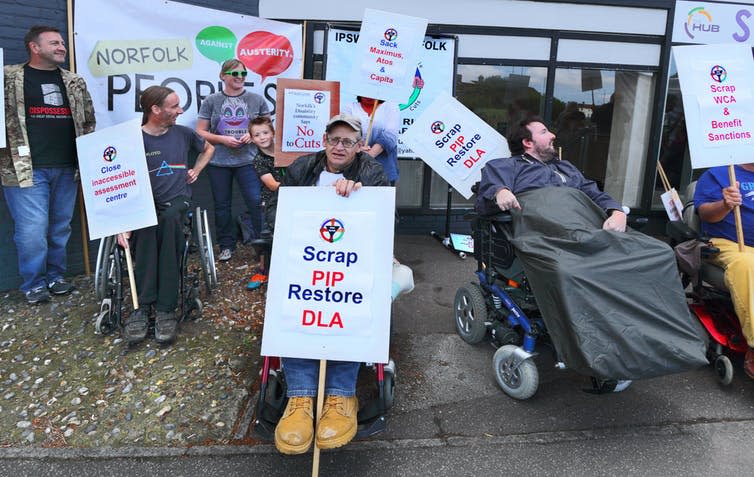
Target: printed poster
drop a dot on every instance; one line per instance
(330, 282)
(433, 74)
(387, 53)
(305, 119)
(115, 180)
(455, 142)
(716, 85)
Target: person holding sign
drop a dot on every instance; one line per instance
(535, 165)
(343, 166)
(46, 108)
(224, 121)
(715, 199)
(383, 136)
(157, 249)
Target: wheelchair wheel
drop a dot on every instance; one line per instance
(723, 369)
(520, 383)
(210, 250)
(389, 383)
(111, 289)
(470, 313)
(206, 259)
(100, 269)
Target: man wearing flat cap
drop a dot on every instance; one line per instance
(343, 167)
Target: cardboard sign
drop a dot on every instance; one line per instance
(303, 109)
(455, 142)
(329, 289)
(176, 45)
(115, 180)
(433, 75)
(716, 85)
(387, 53)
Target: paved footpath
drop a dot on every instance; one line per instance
(450, 418)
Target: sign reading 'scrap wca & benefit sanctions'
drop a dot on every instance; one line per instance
(115, 180)
(455, 142)
(716, 84)
(330, 278)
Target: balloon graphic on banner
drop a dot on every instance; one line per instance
(216, 43)
(265, 53)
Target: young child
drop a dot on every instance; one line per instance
(263, 136)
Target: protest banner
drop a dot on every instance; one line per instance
(2, 101)
(455, 142)
(387, 52)
(712, 23)
(329, 289)
(176, 45)
(434, 73)
(304, 107)
(115, 180)
(716, 84)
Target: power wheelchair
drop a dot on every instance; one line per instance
(709, 298)
(111, 267)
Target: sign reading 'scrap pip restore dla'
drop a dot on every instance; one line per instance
(455, 142)
(329, 288)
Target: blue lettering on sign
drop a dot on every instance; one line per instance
(312, 254)
(744, 27)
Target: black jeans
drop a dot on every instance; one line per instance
(157, 253)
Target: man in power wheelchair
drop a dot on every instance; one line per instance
(714, 200)
(610, 298)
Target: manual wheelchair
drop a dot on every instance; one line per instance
(111, 267)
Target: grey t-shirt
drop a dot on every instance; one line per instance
(167, 160)
(230, 116)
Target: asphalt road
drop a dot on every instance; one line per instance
(451, 419)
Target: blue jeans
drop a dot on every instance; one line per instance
(302, 376)
(42, 215)
(221, 181)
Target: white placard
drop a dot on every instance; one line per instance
(433, 74)
(115, 180)
(2, 101)
(712, 23)
(305, 118)
(455, 142)
(387, 52)
(329, 289)
(673, 205)
(176, 45)
(716, 85)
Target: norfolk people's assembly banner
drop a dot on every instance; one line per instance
(126, 46)
(331, 275)
(716, 84)
(115, 180)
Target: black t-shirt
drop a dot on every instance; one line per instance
(49, 124)
(167, 160)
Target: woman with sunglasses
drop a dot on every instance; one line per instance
(224, 122)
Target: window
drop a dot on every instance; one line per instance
(602, 119)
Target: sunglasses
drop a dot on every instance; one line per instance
(237, 73)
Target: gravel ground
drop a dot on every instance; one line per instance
(61, 384)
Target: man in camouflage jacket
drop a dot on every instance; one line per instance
(46, 107)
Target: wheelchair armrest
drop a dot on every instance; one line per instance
(502, 217)
(680, 232)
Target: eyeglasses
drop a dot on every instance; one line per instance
(237, 73)
(347, 143)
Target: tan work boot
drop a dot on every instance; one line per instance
(338, 423)
(295, 431)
